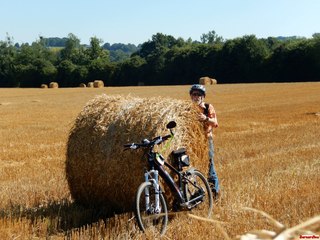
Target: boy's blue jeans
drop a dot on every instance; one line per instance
(212, 172)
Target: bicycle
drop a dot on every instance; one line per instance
(191, 191)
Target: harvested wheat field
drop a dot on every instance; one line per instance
(267, 158)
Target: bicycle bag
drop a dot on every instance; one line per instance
(181, 156)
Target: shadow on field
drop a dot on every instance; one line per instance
(59, 216)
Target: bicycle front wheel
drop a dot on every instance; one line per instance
(148, 215)
(199, 194)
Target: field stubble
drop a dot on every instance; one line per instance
(267, 158)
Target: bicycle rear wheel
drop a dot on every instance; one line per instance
(152, 219)
(199, 194)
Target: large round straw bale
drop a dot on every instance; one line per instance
(98, 84)
(99, 172)
(53, 85)
(90, 84)
(44, 86)
(82, 85)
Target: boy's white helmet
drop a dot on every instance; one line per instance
(198, 87)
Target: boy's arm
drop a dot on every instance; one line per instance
(212, 117)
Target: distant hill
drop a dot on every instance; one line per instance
(120, 51)
(55, 42)
(127, 48)
(282, 38)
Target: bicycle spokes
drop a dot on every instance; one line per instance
(152, 216)
(199, 195)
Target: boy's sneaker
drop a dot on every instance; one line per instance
(215, 195)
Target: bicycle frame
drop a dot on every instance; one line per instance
(156, 169)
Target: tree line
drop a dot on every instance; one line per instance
(162, 60)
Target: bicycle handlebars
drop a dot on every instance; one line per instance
(147, 143)
(155, 141)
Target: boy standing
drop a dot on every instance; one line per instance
(209, 118)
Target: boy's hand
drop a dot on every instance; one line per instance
(213, 121)
(202, 117)
(215, 124)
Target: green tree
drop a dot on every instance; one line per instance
(98, 66)
(71, 75)
(179, 67)
(100, 69)
(66, 70)
(118, 56)
(74, 51)
(131, 72)
(120, 52)
(35, 65)
(95, 50)
(211, 38)
(159, 44)
(242, 60)
(7, 63)
(71, 46)
(154, 52)
(296, 60)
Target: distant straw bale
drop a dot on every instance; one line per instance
(98, 84)
(90, 84)
(53, 85)
(213, 81)
(207, 81)
(82, 85)
(99, 172)
(44, 86)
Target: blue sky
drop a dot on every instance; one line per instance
(135, 21)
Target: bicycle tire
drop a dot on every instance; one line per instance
(148, 220)
(205, 207)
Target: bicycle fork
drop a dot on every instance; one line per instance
(155, 182)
